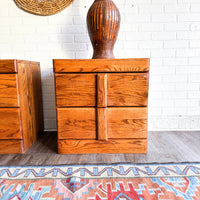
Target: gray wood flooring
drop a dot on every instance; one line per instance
(163, 147)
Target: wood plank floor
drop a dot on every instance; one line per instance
(163, 147)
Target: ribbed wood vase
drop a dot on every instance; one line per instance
(103, 22)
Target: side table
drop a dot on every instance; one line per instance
(102, 105)
(21, 115)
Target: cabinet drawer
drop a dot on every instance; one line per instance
(76, 123)
(127, 89)
(8, 90)
(75, 90)
(10, 123)
(124, 123)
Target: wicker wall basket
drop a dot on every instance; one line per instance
(43, 7)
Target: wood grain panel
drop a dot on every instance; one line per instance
(75, 90)
(8, 66)
(76, 123)
(10, 124)
(101, 90)
(8, 90)
(96, 146)
(11, 146)
(29, 78)
(102, 123)
(127, 123)
(128, 89)
(101, 65)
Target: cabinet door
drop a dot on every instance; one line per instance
(76, 123)
(8, 90)
(127, 89)
(75, 90)
(10, 123)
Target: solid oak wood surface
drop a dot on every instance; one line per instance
(76, 123)
(127, 89)
(30, 101)
(101, 106)
(102, 124)
(75, 90)
(11, 146)
(24, 117)
(10, 123)
(98, 146)
(101, 65)
(8, 66)
(127, 123)
(8, 90)
(101, 90)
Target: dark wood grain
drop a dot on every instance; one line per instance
(102, 123)
(128, 89)
(76, 123)
(29, 79)
(127, 123)
(97, 146)
(75, 90)
(10, 123)
(103, 22)
(8, 66)
(101, 65)
(101, 90)
(11, 146)
(8, 90)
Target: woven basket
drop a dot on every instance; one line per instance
(43, 7)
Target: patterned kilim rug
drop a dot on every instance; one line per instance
(101, 182)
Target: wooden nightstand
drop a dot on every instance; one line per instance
(21, 115)
(102, 105)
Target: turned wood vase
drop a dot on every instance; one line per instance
(103, 22)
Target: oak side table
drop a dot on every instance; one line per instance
(21, 115)
(101, 105)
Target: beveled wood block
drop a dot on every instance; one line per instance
(76, 123)
(10, 123)
(75, 90)
(8, 66)
(102, 131)
(8, 90)
(128, 89)
(101, 65)
(98, 146)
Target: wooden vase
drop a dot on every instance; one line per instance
(103, 22)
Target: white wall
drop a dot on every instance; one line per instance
(167, 31)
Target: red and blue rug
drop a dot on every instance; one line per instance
(101, 182)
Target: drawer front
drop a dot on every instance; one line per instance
(8, 66)
(109, 146)
(8, 90)
(127, 89)
(76, 123)
(10, 123)
(124, 123)
(75, 90)
(11, 146)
